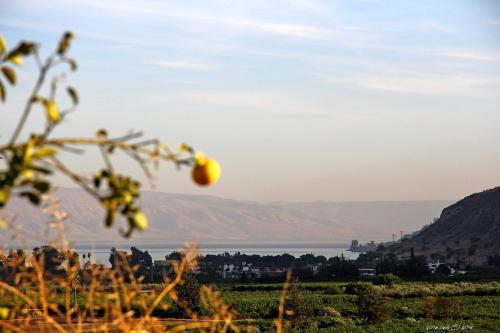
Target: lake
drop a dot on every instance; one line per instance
(101, 255)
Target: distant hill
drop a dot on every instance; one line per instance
(176, 218)
(467, 231)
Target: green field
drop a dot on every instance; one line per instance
(479, 307)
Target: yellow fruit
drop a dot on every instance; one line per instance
(207, 173)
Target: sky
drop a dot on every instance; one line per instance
(298, 100)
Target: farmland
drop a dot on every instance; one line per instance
(334, 310)
(332, 306)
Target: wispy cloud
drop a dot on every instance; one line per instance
(241, 23)
(307, 5)
(256, 100)
(183, 64)
(472, 55)
(432, 26)
(416, 83)
(292, 30)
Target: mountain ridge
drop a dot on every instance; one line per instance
(182, 217)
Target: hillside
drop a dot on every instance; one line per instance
(175, 218)
(467, 231)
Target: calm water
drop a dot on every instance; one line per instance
(102, 255)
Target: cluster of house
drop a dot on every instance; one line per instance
(246, 269)
(433, 266)
(235, 271)
(231, 271)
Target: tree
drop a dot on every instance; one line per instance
(51, 258)
(341, 266)
(443, 269)
(118, 258)
(301, 308)
(12, 265)
(416, 266)
(370, 304)
(188, 292)
(29, 164)
(144, 262)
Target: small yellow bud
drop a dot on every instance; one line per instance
(4, 313)
(52, 112)
(27, 174)
(17, 60)
(199, 158)
(183, 148)
(140, 221)
(127, 197)
(28, 152)
(44, 152)
(3, 44)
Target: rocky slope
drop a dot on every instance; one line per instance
(467, 231)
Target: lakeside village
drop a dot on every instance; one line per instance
(232, 267)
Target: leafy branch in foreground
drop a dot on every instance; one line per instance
(28, 164)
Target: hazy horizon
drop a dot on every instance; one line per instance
(298, 100)
(276, 201)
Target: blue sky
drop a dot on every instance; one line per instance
(298, 100)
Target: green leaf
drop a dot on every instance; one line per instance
(64, 43)
(44, 152)
(9, 74)
(3, 93)
(73, 94)
(42, 186)
(33, 197)
(45, 171)
(26, 48)
(102, 134)
(3, 44)
(72, 65)
(110, 218)
(4, 196)
(97, 180)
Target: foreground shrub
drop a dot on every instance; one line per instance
(332, 312)
(370, 304)
(386, 279)
(441, 307)
(351, 288)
